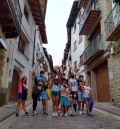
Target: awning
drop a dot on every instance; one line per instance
(3, 44)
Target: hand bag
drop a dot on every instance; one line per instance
(91, 104)
(49, 93)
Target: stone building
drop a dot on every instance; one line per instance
(99, 23)
(18, 22)
(112, 37)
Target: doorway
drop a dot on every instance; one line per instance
(14, 86)
(102, 83)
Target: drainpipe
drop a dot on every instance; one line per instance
(34, 46)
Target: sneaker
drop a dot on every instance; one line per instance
(17, 114)
(26, 114)
(65, 114)
(34, 113)
(80, 112)
(61, 114)
(89, 114)
(46, 113)
(54, 114)
(84, 112)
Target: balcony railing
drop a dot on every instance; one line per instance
(112, 21)
(86, 13)
(16, 12)
(95, 46)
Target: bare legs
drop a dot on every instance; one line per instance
(19, 104)
(55, 100)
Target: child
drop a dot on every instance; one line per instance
(63, 97)
(45, 98)
(80, 97)
(87, 94)
(55, 96)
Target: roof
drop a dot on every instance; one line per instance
(38, 8)
(73, 14)
(49, 57)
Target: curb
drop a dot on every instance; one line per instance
(13, 112)
(117, 117)
(106, 110)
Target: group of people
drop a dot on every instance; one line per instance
(68, 96)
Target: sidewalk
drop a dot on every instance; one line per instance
(108, 108)
(8, 110)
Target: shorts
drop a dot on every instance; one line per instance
(55, 93)
(22, 96)
(80, 96)
(44, 95)
(64, 101)
(19, 96)
(86, 99)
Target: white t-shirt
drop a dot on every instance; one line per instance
(86, 91)
(73, 84)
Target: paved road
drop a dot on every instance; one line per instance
(99, 121)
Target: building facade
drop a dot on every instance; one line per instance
(112, 37)
(94, 32)
(18, 22)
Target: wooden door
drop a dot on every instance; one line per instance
(102, 83)
(14, 86)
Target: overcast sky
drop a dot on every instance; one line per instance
(56, 18)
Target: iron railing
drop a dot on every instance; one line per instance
(87, 11)
(112, 20)
(94, 46)
(16, 12)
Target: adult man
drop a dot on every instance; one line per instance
(38, 83)
(74, 90)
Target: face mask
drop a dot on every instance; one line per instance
(56, 83)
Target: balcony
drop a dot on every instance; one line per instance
(10, 17)
(112, 24)
(83, 3)
(89, 18)
(94, 49)
(38, 8)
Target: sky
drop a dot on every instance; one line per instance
(57, 14)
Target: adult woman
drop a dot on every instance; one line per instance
(55, 96)
(22, 95)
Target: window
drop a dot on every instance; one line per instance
(80, 39)
(75, 45)
(21, 45)
(81, 60)
(75, 66)
(26, 13)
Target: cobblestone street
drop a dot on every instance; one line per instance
(99, 121)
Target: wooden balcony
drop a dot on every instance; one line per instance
(94, 49)
(38, 8)
(10, 18)
(83, 3)
(112, 24)
(89, 18)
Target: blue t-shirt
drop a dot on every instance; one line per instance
(55, 87)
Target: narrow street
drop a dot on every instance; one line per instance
(99, 121)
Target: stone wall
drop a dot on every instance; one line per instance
(114, 69)
(93, 85)
(113, 61)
